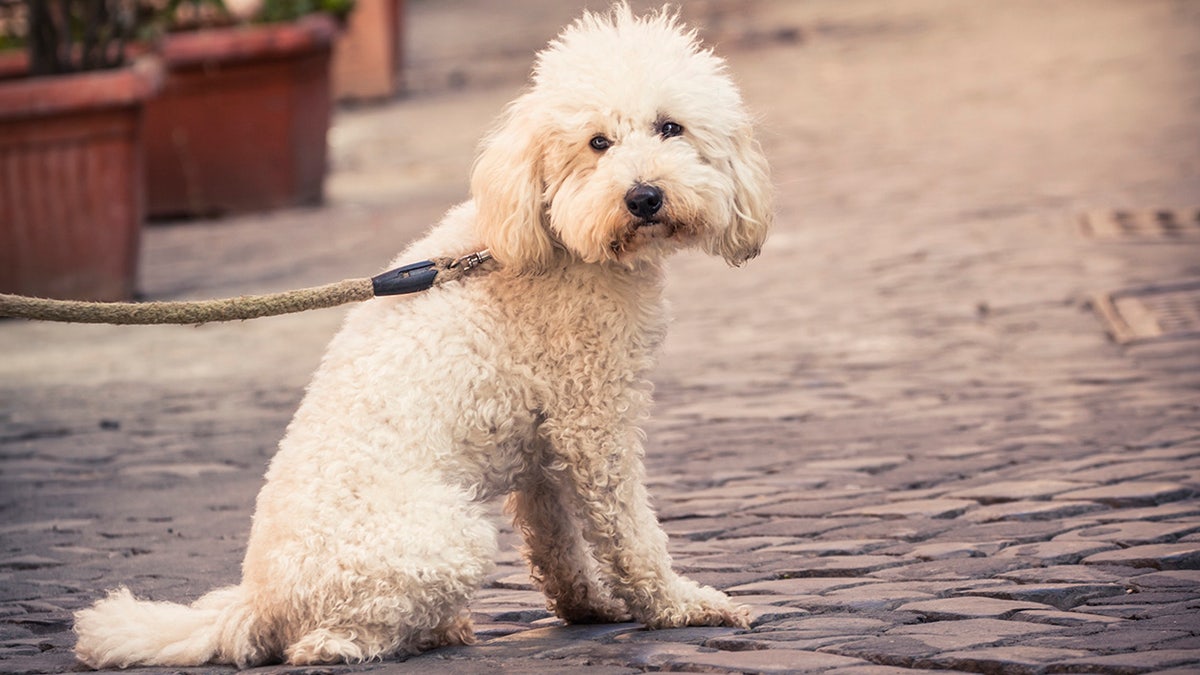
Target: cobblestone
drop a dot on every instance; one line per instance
(1131, 494)
(969, 608)
(770, 661)
(1138, 662)
(899, 435)
(1005, 660)
(1132, 533)
(1023, 511)
(1158, 556)
(1008, 491)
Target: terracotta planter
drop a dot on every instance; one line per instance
(241, 121)
(71, 200)
(368, 56)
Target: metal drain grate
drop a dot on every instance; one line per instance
(1161, 224)
(1161, 311)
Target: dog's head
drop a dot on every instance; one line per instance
(631, 142)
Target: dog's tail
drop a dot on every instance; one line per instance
(121, 631)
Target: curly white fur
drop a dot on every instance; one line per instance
(368, 539)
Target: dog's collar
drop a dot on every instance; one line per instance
(421, 276)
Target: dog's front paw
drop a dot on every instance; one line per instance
(700, 606)
(596, 610)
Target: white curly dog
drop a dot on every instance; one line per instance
(527, 380)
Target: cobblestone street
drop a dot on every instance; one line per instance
(901, 435)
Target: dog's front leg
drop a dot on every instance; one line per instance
(601, 473)
(559, 559)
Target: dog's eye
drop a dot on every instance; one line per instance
(670, 129)
(600, 143)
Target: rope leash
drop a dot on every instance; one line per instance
(412, 278)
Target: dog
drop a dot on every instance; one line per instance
(526, 379)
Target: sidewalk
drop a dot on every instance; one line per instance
(901, 435)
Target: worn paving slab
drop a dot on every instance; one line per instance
(900, 435)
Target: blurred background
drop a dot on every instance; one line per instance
(252, 106)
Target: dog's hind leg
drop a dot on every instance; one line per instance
(392, 576)
(363, 643)
(326, 645)
(559, 559)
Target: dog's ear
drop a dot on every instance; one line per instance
(753, 208)
(508, 190)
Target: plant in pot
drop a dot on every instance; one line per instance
(71, 104)
(241, 122)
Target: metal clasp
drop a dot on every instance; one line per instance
(472, 260)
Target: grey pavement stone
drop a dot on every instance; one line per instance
(912, 529)
(1009, 491)
(1158, 556)
(872, 465)
(901, 651)
(690, 635)
(835, 547)
(1031, 510)
(837, 565)
(766, 661)
(740, 643)
(769, 613)
(1126, 470)
(956, 635)
(808, 507)
(748, 543)
(954, 549)
(707, 527)
(1139, 609)
(1057, 618)
(1010, 532)
(942, 609)
(1164, 580)
(928, 508)
(950, 570)
(798, 586)
(724, 580)
(1136, 493)
(1115, 638)
(883, 670)
(864, 598)
(1061, 596)
(1136, 662)
(699, 507)
(825, 625)
(1073, 574)
(752, 560)
(1132, 533)
(781, 640)
(1148, 598)
(1162, 512)
(1183, 621)
(1016, 660)
(1057, 552)
(794, 527)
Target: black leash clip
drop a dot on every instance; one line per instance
(412, 278)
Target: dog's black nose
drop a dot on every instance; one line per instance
(643, 200)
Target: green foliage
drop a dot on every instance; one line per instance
(290, 10)
(65, 36)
